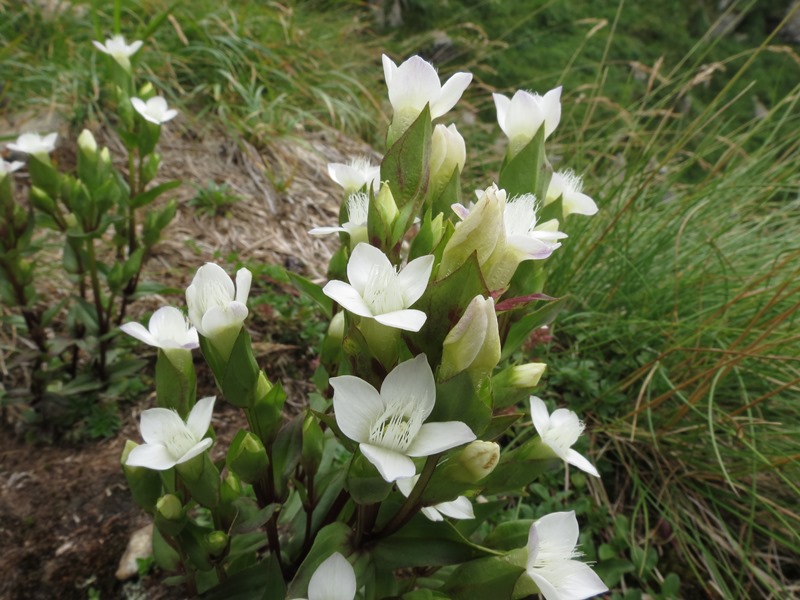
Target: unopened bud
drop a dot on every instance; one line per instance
(146, 90)
(247, 457)
(87, 143)
(387, 207)
(514, 384)
(473, 343)
(448, 153)
(216, 542)
(478, 459)
(336, 328)
(169, 507)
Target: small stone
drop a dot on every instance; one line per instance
(140, 545)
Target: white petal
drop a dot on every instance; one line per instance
(334, 579)
(558, 529)
(460, 508)
(140, 332)
(438, 437)
(100, 46)
(531, 247)
(140, 107)
(579, 461)
(551, 109)
(169, 115)
(413, 279)
(502, 104)
(244, 279)
(356, 405)
(582, 582)
(326, 230)
(390, 464)
(450, 94)
(167, 323)
(196, 450)
(524, 115)
(158, 424)
(134, 47)
(347, 296)
(411, 381)
(152, 456)
(545, 587)
(362, 261)
(580, 204)
(539, 414)
(389, 69)
(432, 514)
(199, 418)
(407, 320)
(406, 484)
(220, 318)
(414, 84)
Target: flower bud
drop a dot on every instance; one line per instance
(87, 143)
(105, 156)
(514, 384)
(216, 542)
(477, 460)
(448, 153)
(247, 457)
(482, 231)
(146, 90)
(474, 343)
(169, 516)
(387, 207)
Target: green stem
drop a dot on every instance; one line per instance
(412, 503)
(102, 320)
(131, 211)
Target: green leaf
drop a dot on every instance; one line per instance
(458, 400)
(248, 520)
(240, 381)
(335, 537)
(313, 291)
(493, 577)
(509, 535)
(528, 172)
(521, 330)
(286, 453)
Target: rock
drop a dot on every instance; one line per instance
(140, 545)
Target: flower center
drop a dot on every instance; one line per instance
(179, 442)
(382, 293)
(397, 427)
(358, 208)
(520, 215)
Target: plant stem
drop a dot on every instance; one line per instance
(102, 321)
(412, 503)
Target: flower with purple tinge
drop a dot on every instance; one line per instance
(33, 143)
(521, 116)
(414, 84)
(377, 291)
(154, 110)
(551, 560)
(559, 431)
(389, 425)
(118, 49)
(334, 579)
(460, 508)
(356, 174)
(168, 440)
(531, 239)
(167, 329)
(569, 187)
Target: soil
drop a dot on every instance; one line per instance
(66, 515)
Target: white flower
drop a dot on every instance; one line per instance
(154, 110)
(118, 49)
(33, 143)
(551, 560)
(414, 84)
(522, 115)
(168, 440)
(215, 305)
(355, 175)
(523, 232)
(356, 226)
(389, 425)
(167, 329)
(460, 508)
(334, 579)
(377, 291)
(9, 167)
(560, 431)
(569, 187)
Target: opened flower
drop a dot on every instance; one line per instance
(377, 291)
(154, 110)
(460, 508)
(216, 308)
(414, 84)
(33, 143)
(531, 239)
(356, 226)
(9, 167)
(551, 560)
(353, 176)
(167, 329)
(168, 440)
(334, 579)
(569, 187)
(118, 49)
(521, 116)
(389, 425)
(559, 431)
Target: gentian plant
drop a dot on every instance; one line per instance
(390, 483)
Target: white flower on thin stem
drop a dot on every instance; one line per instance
(168, 440)
(551, 560)
(533, 240)
(334, 579)
(118, 49)
(414, 84)
(521, 116)
(167, 329)
(377, 291)
(460, 508)
(358, 173)
(33, 143)
(9, 167)
(560, 431)
(216, 308)
(356, 226)
(154, 110)
(569, 186)
(389, 425)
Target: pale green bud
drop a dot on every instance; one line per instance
(216, 542)
(387, 207)
(514, 384)
(169, 507)
(448, 153)
(336, 327)
(477, 460)
(473, 344)
(437, 229)
(105, 156)
(146, 90)
(247, 457)
(87, 143)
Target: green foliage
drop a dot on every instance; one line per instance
(214, 199)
